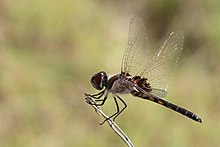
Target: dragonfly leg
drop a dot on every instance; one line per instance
(118, 110)
(102, 101)
(125, 106)
(98, 95)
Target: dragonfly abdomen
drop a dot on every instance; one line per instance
(169, 105)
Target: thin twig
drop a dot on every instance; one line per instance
(111, 123)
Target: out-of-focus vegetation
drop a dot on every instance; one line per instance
(49, 49)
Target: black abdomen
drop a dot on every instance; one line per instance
(162, 102)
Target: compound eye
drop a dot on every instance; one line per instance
(98, 80)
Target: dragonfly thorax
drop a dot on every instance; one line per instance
(99, 80)
(119, 84)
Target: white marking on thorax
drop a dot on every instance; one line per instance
(120, 86)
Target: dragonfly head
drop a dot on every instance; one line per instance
(99, 80)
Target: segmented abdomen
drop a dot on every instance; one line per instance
(162, 102)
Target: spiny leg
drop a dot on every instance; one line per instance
(118, 110)
(95, 96)
(117, 106)
(102, 101)
(125, 106)
(98, 95)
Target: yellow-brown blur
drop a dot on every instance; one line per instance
(50, 49)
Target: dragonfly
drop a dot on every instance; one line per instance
(142, 76)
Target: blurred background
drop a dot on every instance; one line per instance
(50, 49)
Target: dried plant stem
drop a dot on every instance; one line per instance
(111, 123)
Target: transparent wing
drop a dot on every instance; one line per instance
(159, 92)
(137, 47)
(159, 70)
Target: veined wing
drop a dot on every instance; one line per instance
(137, 47)
(163, 64)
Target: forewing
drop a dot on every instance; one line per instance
(163, 64)
(137, 47)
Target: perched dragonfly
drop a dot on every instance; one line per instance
(141, 76)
